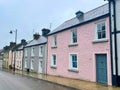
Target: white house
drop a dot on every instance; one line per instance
(115, 40)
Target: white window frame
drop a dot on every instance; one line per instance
(41, 51)
(32, 51)
(96, 30)
(52, 60)
(32, 64)
(54, 41)
(72, 38)
(71, 62)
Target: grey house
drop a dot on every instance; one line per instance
(35, 53)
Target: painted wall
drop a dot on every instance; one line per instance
(86, 51)
(18, 59)
(5, 60)
(10, 58)
(36, 59)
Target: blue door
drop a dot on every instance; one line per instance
(101, 68)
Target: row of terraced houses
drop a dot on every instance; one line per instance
(80, 48)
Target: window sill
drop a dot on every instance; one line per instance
(73, 70)
(40, 56)
(54, 47)
(54, 67)
(100, 40)
(73, 44)
(32, 56)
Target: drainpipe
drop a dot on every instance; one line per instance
(115, 42)
(111, 51)
(23, 60)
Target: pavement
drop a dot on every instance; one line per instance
(74, 83)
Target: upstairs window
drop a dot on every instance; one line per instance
(100, 30)
(54, 41)
(40, 51)
(32, 51)
(73, 36)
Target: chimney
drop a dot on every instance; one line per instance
(12, 44)
(45, 31)
(23, 41)
(80, 15)
(6, 47)
(36, 36)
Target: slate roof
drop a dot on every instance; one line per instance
(97, 12)
(34, 42)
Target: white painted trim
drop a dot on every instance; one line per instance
(52, 60)
(53, 41)
(40, 54)
(100, 40)
(95, 31)
(71, 41)
(70, 63)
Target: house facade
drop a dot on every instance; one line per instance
(35, 53)
(1, 58)
(7, 56)
(115, 40)
(80, 47)
(18, 53)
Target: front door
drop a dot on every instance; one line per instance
(40, 66)
(101, 68)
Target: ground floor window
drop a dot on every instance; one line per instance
(73, 61)
(53, 61)
(32, 64)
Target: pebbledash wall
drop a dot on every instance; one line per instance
(86, 49)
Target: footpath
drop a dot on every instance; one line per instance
(74, 83)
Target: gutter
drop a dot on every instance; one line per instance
(115, 41)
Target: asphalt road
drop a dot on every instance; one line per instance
(10, 81)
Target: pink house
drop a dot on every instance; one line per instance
(80, 47)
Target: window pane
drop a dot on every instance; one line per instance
(74, 36)
(54, 40)
(74, 61)
(103, 27)
(54, 59)
(103, 34)
(74, 64)
(99, 35)
(101, 30)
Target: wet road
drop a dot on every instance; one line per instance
(9, 81)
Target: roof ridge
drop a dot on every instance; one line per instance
(96, 8)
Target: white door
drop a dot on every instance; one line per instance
(40, 66)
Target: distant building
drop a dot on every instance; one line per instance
(35, 53)
(7, 56)
(80, 47)
(1, 58)
(18, 52)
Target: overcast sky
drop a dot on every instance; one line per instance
(30, 16)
